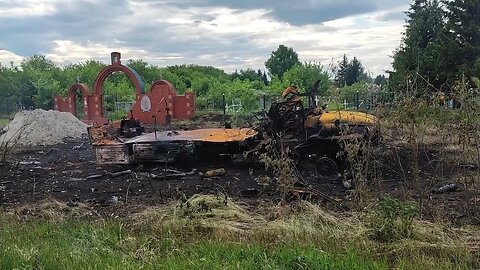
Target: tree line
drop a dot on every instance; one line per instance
(440, 48)
(37, 79)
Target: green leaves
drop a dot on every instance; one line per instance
(281, 60)
(440, 45)
(305, 75)
(349, 72)
(463, 33)
(44, 78)
(392, 219)
(418, 63)
(38, 80)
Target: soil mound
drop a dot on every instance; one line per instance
(40, 127)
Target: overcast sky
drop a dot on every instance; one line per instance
(230, 35)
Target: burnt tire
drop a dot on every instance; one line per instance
(326, 168)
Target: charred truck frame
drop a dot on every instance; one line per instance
(314, 135)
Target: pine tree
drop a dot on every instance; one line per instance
(418, 61)
(353, 72)
(259, 74)
(264, 78)
(463, 37)
(349, 73)
(235, 75)
(380, 80)
(340, 78)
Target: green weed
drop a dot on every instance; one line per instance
(392, 220)
(4, 121)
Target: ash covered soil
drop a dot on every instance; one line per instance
(68, 172)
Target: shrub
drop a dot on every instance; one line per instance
(392, 219)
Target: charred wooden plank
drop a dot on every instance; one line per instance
(113, 154)
(161, 151)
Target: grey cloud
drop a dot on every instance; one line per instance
(302, 12)
(71, 20)
(391, 16)
(299, 12)
(101, 22)
(26, 37)
(204, 18)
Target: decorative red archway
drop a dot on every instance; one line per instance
(69, 104)
(163, 101)
(115, 67)
(72, 96)
(160, 102)
(92, 109)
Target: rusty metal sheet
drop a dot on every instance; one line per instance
(214, 135)
(106, 134)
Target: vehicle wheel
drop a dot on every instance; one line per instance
(326, 167)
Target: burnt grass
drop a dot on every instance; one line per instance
(63, 172)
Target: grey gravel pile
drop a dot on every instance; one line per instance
(40, 127)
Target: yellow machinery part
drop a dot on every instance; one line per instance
(328, 119)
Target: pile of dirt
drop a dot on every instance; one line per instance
(40, 127)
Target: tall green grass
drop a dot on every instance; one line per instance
(207, 232)
(85, 245)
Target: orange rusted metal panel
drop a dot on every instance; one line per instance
(328, 118)
(216, 135)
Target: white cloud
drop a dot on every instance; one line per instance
(26, 8)
(171, 32)
(6, 57)
(67, 51)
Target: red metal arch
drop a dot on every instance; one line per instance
(106, 71)
(161, 93)
(72, 99)
(170, 87)
(83, 88)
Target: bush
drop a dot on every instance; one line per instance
(117, 115)
(392, 219)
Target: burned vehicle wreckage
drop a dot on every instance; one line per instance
(312, 135)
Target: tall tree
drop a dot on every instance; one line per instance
(235, 75)
(44, 79)
(463, 37)
(341, 71)
(281, 60)
(349, 72)
(417, 62)
(380, 80)
(353, 72)
(306, 74)
(264, 78)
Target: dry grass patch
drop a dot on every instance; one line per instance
(52, 210)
